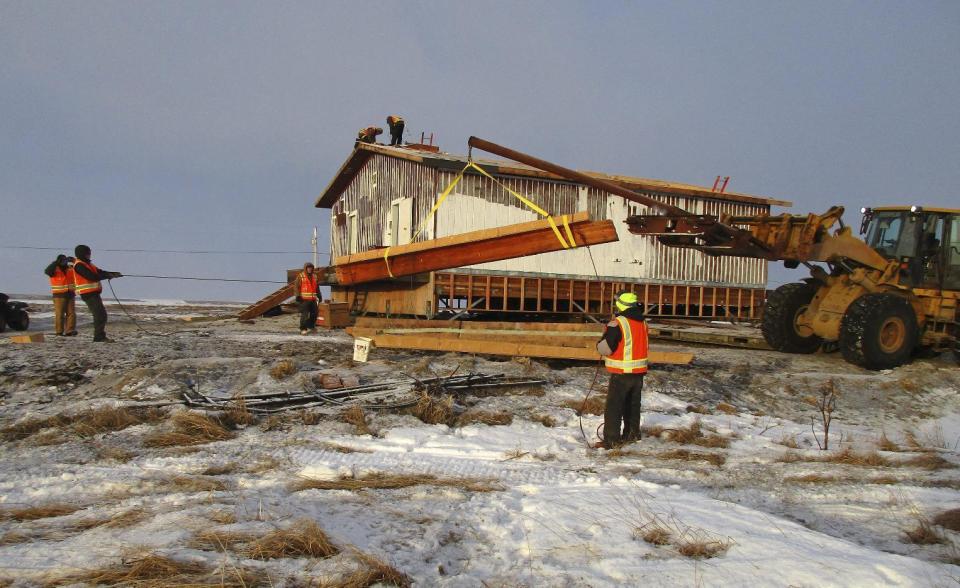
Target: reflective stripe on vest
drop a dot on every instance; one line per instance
(308, 287)
(85, 286)
(61, 281)
(623, 360)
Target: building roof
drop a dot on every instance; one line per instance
(364, 151)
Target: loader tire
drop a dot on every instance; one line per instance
(879, 331)
(3, 323)
(780, 319)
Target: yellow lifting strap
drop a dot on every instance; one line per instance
(566, 244)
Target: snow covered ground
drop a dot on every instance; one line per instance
(745, 499)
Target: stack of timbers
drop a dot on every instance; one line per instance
(383, 395)
(546, 340)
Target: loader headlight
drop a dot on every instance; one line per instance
(916, 209)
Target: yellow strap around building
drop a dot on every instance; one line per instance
(566, 244)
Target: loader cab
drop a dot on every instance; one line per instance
(925, 240)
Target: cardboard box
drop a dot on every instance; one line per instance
(333, 315)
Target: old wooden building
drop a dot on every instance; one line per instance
(382, 196)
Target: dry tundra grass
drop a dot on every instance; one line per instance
(544, 419)
(949, 519)
(44, 511)
(121, 520)
(885, 444)
(356, 417)
(484, 417)
(85, 424)
(692, 434)
(594, 405)
(727, 408)
(372, 572)
(393, 482)
(686, 455)
(926, 461)
(433, 411)
(283, 369)
(190, 484)
(685, 540)
(159, 571)
(924, 534)
(190, 428)
(304, 538)
(238, 415)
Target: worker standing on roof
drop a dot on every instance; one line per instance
(87, 284)
(307, 288)
(368, 134)
(62, 287)
(624, 348)
(396, 129)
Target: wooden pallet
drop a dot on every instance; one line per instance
(267, 302)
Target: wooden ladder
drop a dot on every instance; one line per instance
(267, 302)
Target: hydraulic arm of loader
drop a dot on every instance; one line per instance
(790, 238)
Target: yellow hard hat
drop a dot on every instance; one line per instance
(627, 300)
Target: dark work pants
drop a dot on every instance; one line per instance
(623, 409)
(396, 134)
(95, 304)
(308, 314)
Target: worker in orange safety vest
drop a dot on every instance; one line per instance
(307, 288)
(87, 279)
(61, 277)
(624, 348)
(368, 134)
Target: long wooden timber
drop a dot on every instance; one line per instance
(482, 246)
(429, 342)
(560, 334)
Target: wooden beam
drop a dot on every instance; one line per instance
(431, 343)
(267, 302)
(488, 245)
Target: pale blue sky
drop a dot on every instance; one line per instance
(214, 125)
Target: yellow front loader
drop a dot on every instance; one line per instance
(882, 298)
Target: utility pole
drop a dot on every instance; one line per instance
(313, 242)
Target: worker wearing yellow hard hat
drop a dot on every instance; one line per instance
(624, 347)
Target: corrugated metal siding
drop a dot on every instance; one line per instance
(479, 203)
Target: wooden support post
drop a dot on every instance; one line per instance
(486, 302)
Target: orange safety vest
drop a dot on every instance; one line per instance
(393, 120)
(62, 282)
(83, 285)
(308, 286)
(630, 357)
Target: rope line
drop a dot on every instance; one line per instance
(202, 279)
(135, 323)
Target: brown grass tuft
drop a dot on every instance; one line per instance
(193, 484)
(885, 444)
(928, 461)
(190, 428)
(311, 417)
(342, 448)
(393, 482)
(220, 469)
(156, 571)
(924, 534)
(850, 457)
(356, 417)
(433, 411)
(224, 517)
(654, 534)
(692, 434)
(727, 408)
(14, 538)
(28, 427)
(949, 519)
(302, 539)
(484, 417)
(105, 419)
(283, 369)
(218, 540)
(121, 520)
(49, 438)
(544, 419)
(33, 513)
(686, 455)
(238, 415)
(815, 478)
(85, 424)
(702, 548)
(373, 572)
(595, 405)
(114, 453)
(789, 441)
